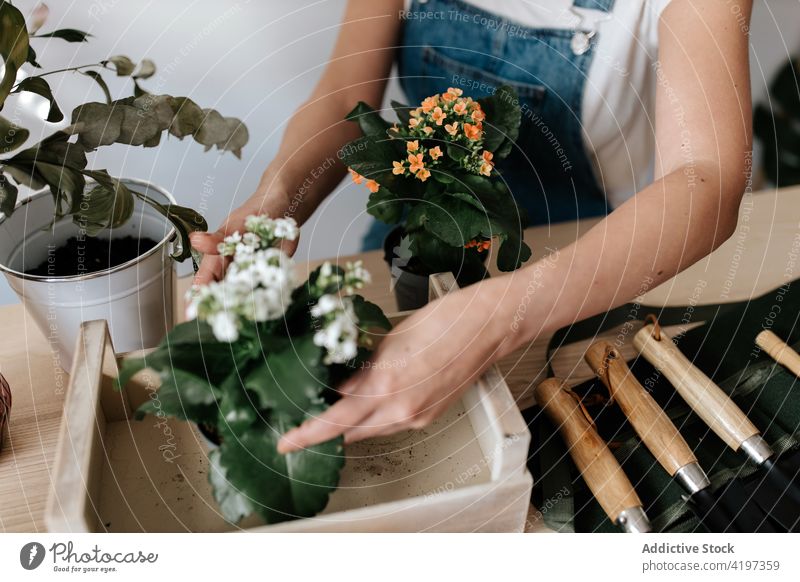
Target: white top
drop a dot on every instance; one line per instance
(619, 98)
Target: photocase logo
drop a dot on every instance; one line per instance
(31, 555)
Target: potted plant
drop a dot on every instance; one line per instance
(93, 246)
(433, 175)
(261, 356)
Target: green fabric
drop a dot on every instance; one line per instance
(724, 348)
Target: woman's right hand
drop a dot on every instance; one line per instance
(271, 199)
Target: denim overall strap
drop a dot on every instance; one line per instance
(450, 43)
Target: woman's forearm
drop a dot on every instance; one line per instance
(308, 165)
(665, 228)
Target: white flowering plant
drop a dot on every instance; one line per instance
(433, 173)
(260, 355)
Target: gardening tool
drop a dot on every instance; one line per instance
(779, 351)
(659, 435)
(597, 465)
(713, 406)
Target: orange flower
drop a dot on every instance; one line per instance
(416, 163)
(413, 122)
(412, 146)
(460, 108)
(455, 91)
(423, 174)
(357, 178)
(487, 156)
(438, 115)
(398, 168)
(452, 129)
(373, 186)
(449, 97)
(486, 168)
(473, 132)
(479, 245)
(435, 153)
(427, 130)
(430, 103)
(478, 115)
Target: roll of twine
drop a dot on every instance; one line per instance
(5, 407)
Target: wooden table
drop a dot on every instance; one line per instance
(763, 253)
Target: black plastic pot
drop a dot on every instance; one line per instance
(410, 279)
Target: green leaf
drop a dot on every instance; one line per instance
(109, 204)
(192, 346)
(8, 195)
(147, 69)
(122, 65)
(454, 221)
(385, 206)
(369, 120)
(186, 221)
(369, 315)
(237, 408)
(503, 118)
(291, 380)
(370, 156)
(31, 58)
(66, 184)
(456, 152)
(184, 396)
(402, 111)
(13, 46)
(11, 135)
(512, 254)
(69, 35)
(234, 505)
(226, 133)
(41, 87)
(98, 78)
(141, 120)
(248, 474)
(128, 369)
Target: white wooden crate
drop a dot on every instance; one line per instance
(466, 472)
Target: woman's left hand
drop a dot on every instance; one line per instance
(419, 369)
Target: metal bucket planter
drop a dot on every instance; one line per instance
(135, 298)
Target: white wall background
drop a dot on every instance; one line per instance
(256, 60)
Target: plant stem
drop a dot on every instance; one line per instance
(67, 70)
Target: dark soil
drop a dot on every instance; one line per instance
(79, 257)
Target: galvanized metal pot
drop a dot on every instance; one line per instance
(136, 298)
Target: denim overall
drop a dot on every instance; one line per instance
(458, 45)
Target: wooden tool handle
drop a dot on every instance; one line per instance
(708, 401)
(779, 351)
(650, 422)
(597, 465)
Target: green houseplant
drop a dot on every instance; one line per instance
(433, 174)
(262, 355)
(90, 245)
(59, 162)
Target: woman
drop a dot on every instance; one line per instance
(673, 168)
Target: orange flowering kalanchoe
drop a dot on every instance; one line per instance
(456, 122)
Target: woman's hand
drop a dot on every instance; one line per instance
(418, 370)
(271, 198)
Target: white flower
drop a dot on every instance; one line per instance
(286, 228)
(355, 277)
(223, 323)
(258, 284)
(339, 332)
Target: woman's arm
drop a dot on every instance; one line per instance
(357, 71)
(703, 115)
